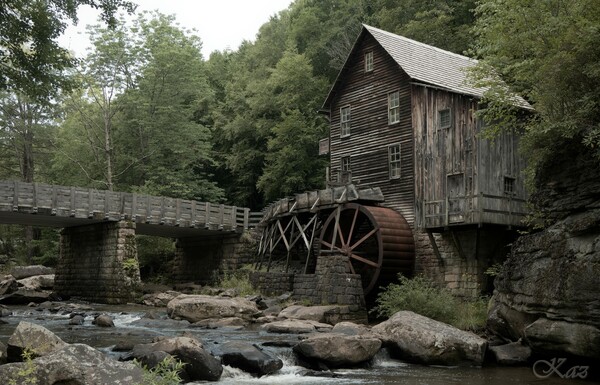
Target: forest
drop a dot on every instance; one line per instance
(145, 112)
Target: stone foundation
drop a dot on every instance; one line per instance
(99, 263)
(462, 272)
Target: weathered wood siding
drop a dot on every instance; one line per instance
(459, 175)
(371, 135)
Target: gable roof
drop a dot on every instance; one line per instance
(423, 63)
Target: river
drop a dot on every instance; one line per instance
(131, 327)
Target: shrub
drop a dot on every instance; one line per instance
(165, 373)
(238, 280)
(421, 296)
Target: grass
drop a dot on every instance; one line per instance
(421, 296)
(238, 280)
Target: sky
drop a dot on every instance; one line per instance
(221, 24)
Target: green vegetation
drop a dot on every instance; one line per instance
(26, 374)
(421, 296)
(165, 373)
(238, 280)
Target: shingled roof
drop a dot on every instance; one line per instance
(424, 64)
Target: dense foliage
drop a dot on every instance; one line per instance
(422, 296)
(144, 111)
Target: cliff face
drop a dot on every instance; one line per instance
(548, 292)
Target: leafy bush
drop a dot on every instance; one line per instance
(421, 296)
(165, 373)
(238, 280)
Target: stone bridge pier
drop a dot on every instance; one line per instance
(99, 263)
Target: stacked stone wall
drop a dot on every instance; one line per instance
(99, 263)
(272, 283)
(464, 275)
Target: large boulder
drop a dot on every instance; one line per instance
(159, 299)
(248, 357)
(416, 338)
(37, 282)
(20, 272)
(75, 364)
(37, 339)
(200, 364)
(338, 350)
(350, 328)
(194, 308)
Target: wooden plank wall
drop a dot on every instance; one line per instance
(371, 135)
(461, 152)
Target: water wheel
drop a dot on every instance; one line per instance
(378, 242)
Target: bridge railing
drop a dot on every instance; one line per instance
(77, 202)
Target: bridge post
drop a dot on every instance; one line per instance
(99, 263)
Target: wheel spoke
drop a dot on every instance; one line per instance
(364, 238)
(352, 226)
(339, 230)
(330, 245)
(351, 267)
(364, 260)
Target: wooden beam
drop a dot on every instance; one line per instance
(435, 248)
(461, 254)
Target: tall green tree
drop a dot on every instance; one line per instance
(548, 52)
(31, 61)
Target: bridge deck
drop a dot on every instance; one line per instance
(60, 206)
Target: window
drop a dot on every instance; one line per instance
(345, 163)
(369, 61)
(509, 185)
(345, 121)
(394, 107)
(445, 118)
(394, 161)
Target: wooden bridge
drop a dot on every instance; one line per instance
(61, 206)
(98, 249)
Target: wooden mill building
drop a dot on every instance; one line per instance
(402, 119)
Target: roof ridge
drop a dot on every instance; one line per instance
(368, 27)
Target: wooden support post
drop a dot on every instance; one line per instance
(106, 204)
(148, 209)
(461, 254)
(72, 201)
(435, 248)
(193, 215)
(221, 216)
(246, 218)
(312, 239)
(162, 210)
(90, 203)
(233, 218)
(134, 207)
(177, 212)
(122, 199)
(16, 196)
(54, 201)
(207, 215)
(34, 200)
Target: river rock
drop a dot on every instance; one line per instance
(20, 272)
(3, 353)
(159, 299)
(416, 338)
(513, 353)
(229, 323)
(74, 364)
(77, 319)
(330, 314)
(8, 285)
(104, 320)
(351, 329)
(200, 365)
(337, 350)
(25, 296)
(34, 337)
(248, 357)
(546, 336)
(37, 282)
(194, 308)
(294, 326)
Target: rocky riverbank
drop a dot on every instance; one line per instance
(548, 292)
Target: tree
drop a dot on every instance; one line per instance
(31, 61)
(548, 52)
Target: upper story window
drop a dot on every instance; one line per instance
(394, 107)
(509, 185)
(445, 118)
(345, 163)
(345, 121)
(369, 61)
(394, 161)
